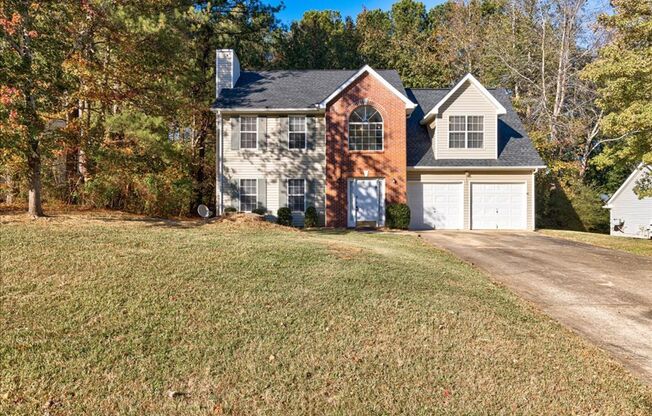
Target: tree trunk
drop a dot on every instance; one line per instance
(35, 207)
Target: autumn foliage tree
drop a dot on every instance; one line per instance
(32, 84)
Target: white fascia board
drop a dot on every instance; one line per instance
(408, 104)
(609, 203)
(468, 77)
(475, 167)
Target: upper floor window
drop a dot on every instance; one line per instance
(297, 138)
(465, 132)
(365, 129)
(248, 132)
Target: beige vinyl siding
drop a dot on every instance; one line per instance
(466, 101)
(506, 176)
(276, 162)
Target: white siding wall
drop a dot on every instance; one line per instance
(506, 176)
(636, 213)
(276, 162)
(467, 101)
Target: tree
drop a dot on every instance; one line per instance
(320, 40)
(623, 76)
(32, 47)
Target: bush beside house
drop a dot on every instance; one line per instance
(310, 219)
(397, 216)
(284, 216)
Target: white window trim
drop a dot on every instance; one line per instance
(466, 131)
(240, 133)
(305, 131)
(348, 131)
(304, 192)
(240, 193)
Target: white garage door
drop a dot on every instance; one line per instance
(498, 206)
(436, 205)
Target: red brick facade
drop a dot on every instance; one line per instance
(342, 164)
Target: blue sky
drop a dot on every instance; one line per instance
(294, 8)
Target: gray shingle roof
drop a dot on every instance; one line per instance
(514, 146)
(290, 89)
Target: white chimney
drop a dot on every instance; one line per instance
(227, 69)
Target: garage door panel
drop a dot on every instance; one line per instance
(436, 205)
(498, 206)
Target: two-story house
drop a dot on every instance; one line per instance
(348, 142)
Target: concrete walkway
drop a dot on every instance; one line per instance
(604, 295)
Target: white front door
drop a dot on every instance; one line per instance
(366, 201)
(498, 206)
(437, 206)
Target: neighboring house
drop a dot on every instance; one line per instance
(631, 216)
(348, 142)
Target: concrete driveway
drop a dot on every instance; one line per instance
(604, 295)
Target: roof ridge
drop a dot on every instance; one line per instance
(312, 70)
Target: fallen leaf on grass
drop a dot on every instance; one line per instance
(173, 394)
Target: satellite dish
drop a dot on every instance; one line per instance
(604, 197)
(203, 211)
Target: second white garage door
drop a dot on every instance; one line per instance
(436, 205)
(498, 206)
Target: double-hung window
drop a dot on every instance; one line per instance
(248, 132)
(465, 132)
(297, 132)
(248, 195)
(297, 195)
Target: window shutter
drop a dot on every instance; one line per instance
(262, 133)
(284, 133)
(262, 193)
(310, 193)
(282, 192)
(234, 192)
(311, 134)
(235, 133)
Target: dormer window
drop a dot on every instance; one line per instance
(365, 129)
(465, 132)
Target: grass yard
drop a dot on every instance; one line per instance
(630, 245)
(106, 314)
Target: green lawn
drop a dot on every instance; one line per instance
(630, 245)
(106, 314)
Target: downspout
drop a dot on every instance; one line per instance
(221, 164)
(219, 156)
(534, 199)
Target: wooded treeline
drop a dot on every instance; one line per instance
(105, 103)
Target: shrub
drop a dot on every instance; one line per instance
(310, 220)
(284, 216)
(397, 216)
(260, 211)
(230, 210)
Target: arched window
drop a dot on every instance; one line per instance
(365, 129)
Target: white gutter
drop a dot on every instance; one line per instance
(266, 110)
(476, 167)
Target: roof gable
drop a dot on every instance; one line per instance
(369, 70)
(515, 149)
(639, 169)
(500, 109)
